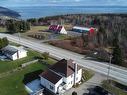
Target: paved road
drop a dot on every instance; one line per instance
(118, 73)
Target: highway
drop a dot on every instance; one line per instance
(116, 72)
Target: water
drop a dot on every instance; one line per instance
(43, 11)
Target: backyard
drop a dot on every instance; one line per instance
(31, 55)
(9, 65)
(13, 83)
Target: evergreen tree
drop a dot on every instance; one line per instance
(3, 42)
(117, 53)
(17, 26)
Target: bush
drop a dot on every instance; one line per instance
(74, 93)
(45, 55)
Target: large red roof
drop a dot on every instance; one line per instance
(55, 28)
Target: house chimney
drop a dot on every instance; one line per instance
(75, 72)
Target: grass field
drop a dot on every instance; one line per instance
(87, 74)
(9, 65)
(13, 84)
(113, 89)
(62, 37)
(38, 28)
(14, 44)
(2, 29)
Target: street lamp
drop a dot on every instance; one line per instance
(110, 61)
(19, 35)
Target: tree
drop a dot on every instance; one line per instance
(117, 53)
(100, 36)
(45, 55)
(17, 26)
(3, 42)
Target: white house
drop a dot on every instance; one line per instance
(14, 52)
(57, 29)
(61, 76)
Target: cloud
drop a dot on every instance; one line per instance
(77, 0)
(63, 2)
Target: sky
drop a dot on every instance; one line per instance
(8, 3)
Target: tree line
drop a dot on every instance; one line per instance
(14, 26)
(3, 42)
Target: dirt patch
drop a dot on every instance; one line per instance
(74, 44)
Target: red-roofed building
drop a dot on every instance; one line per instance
(57, 29)
(61, 76)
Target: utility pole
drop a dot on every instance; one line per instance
(109, 67)
(19, 36)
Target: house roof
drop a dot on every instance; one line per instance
(65, 67)
(12, 49)
(81, 28)
(56, 28)
(84, 28)
(51, 76)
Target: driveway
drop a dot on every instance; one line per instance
(94, 81)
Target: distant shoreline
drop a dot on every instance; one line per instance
(44, 11)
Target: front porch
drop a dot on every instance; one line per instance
(62, 88)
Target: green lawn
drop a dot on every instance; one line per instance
(87, 74)
(113, 89)
(13, 84)
(37, 28)
(62, 37)
(9, 65)
(14, 44)
(2, 29)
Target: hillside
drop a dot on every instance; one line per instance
(9, 13)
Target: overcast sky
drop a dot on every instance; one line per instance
(8, 3)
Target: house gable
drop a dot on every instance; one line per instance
(65, 67)
(51, 76)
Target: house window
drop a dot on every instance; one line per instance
(71, 76)
(71, 82)
(77, 78)
(51, 87)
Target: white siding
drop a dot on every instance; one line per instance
(14, 56)
(70, 80)
(79, 75)
(63, 31)
(47, 84)
(22, 54)
(57, 85)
